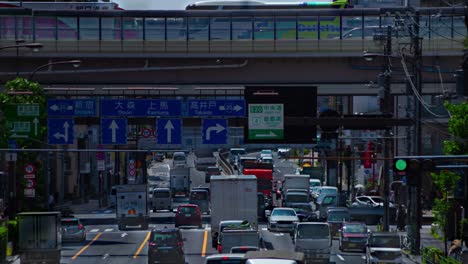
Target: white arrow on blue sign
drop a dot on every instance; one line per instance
(114, 131)
(60, 131)
(169, 131)
(214, 131)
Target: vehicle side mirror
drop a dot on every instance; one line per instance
(267, 213)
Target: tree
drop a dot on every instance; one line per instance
(446, 181)
(23, 91)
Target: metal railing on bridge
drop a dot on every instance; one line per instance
(243, 31)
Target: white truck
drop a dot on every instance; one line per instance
(158, 175)
(132, 206)
(295, 181)
(233, 197)
(180, 181)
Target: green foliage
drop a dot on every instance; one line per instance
(23, 91)
(458, 127)
(445, 182)
(432, 255)
(13, 234)
(3, 241)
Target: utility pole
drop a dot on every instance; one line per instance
(387, 108)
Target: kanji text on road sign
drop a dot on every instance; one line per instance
(23, 120)
(214, 131)
(169, 131)
(60, 130)
(266, 121)
(141, 107)
(71, 107)
(114, 131)
(226, 108)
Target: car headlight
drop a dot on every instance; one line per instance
(273, 222)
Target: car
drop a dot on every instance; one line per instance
(241, 160)
(166, 246)
(243, 249)
(179, 159)
(304, 211)
(228, 258)
(384, 247)
(188, 215)
(325, 190)
(335, 218)
(234, 153)
(265, 153)
(206, 188)
(369, 201)
(211, 170)
(159, 157)
(201, 198)
(72, 229)
(282, 219)
(353, 235)
(283, 152)
(314, 182)
(267, 159)
(314, 240)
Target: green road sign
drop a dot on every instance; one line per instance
(23, 120)
(266, 121)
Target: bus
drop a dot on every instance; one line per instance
(268, 28)
(263, 172)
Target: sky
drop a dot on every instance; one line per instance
(161, 4)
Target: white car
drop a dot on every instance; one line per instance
(369, 201)
(283, 219)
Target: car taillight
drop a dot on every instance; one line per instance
(225, 258)
(80, 226)
(220, 248)
(179, 244)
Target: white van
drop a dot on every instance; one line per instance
(314, 239)
(179, 159)
(162, 199)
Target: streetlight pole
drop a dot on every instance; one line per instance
(75, 63)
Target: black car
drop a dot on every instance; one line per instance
(166, 246)
(304, 211)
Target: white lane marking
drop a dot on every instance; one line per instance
(278, 234)
(207, 227)
(363, 257)
(94, 230)
(264, 229)
(105, 256)
(340, 257)
(108, 230)
(124, 235)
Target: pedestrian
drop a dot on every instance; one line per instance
(401, 217)
(51, 202)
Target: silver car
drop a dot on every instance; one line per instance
(73, 230)
(282, 220)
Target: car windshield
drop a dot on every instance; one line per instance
(338, 216)
(314, 183)
(328, 190)
(164, 238)
(350, 228)
(187, 210)
(179, 158)
(385, 241)
(283, 213)
(158, 178)
(377, 199)
(161, 194)
(266, 152)
(232, 225)
(313, 231)
(303, 207)
(199, 196)
(69, 223)
(296, 198)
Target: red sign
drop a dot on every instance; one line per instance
(29, 169)
(30, 184)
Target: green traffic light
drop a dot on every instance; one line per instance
(400, 165)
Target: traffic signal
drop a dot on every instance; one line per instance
(412, 168)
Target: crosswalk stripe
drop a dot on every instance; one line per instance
(94, 230)
(108, 230)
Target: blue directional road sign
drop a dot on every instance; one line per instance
(114, 131)
(225, 108)
(214, 131)
(141, 107)
(169, 131)
(71, 107)
(60, 131)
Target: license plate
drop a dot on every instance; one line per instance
(352, 244)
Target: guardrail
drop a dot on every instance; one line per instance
(224, 163)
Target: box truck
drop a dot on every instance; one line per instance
(132, 206)
(233, 197)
